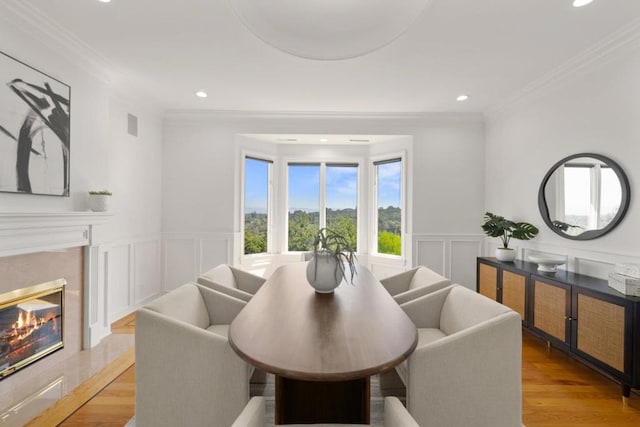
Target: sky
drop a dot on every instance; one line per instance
(304, 186)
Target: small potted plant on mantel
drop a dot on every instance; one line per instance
(332, 255)
(505, 229)
(99, 200)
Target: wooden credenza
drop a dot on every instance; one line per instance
(579, 314)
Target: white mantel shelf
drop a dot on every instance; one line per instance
(28, 232)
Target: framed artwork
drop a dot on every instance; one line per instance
(34, 130)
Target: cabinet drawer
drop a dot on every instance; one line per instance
(601, 330)
(550, 313)
(488, 281)
(514, 290)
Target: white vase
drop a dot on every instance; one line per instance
(99, 202)
(323, 273)
(505, 254)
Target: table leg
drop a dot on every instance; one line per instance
(300, 402)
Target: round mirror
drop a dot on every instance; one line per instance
(584, 196)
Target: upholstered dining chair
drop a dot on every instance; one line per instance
(186, 372)
(395, 415)
(232, 281)
(414, 283)
(466, 369)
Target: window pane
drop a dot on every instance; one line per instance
(256, 205)
(342, 200)
(389, 188)
(304, 206)
(577, 193)
(610, 196)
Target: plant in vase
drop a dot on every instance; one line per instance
(332, 257)
(505, 229)
(99, 200)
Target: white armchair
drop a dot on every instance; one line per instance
(395, 415)
(186, 372)
(466, 369)
(414, 283)
(232, 281)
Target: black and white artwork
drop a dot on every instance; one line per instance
(34, 130)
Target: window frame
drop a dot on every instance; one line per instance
(323, 163)
(270, 201)
(373, 177)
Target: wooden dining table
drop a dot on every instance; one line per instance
(322, 348)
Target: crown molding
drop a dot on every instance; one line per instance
(44, 29)
(36, 24)
(619, 42)
(202, 115)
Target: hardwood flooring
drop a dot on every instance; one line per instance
(557, 392)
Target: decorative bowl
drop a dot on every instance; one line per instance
(547, 263)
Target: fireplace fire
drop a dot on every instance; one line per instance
(31, 325)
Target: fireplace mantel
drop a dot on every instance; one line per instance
(27, 232)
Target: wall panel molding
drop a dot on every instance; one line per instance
(122, 275)
(452, 255)
(186, 255)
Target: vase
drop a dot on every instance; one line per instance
(505, 254)
(99, 202)
(323, 273)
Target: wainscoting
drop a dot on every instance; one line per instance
(186, 255)
(124, 275)
(452, 255)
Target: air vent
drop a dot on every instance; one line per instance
(358, 140)
(286, 139)
(132, 125)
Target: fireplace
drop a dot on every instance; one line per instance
(31, 325)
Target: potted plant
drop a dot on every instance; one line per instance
(505, 229)
(99, 200)
(332, 256)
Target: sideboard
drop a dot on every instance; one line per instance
(578, 314)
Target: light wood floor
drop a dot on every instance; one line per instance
(557, 391)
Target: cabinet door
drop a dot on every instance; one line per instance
(488, 280)
(551, 310)
(601, 330)
(514, 292)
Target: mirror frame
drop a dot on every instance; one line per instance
(589, 234)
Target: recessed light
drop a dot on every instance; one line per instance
(201, 94)
(104, 1)
(323, 140)
(580, 3)
(462, 97)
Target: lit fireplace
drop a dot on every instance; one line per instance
(31, 325)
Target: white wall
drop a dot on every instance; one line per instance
(125, 259)
(199, 192)
(592, 109)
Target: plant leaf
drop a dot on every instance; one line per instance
(524, 231)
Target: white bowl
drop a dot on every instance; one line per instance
(547, 263)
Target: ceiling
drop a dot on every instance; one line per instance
(489, 49)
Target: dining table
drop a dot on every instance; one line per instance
(322, 348)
